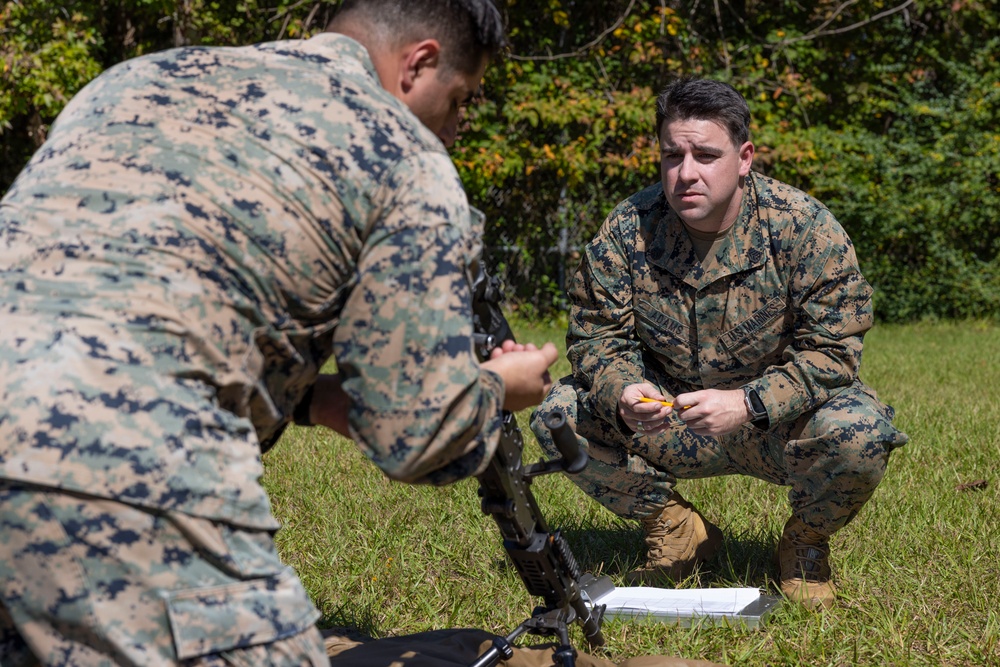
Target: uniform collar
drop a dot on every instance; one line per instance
(338, 46)
(353, 60)
(743, 249)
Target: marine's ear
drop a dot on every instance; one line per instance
(418, 59)
(746, 158)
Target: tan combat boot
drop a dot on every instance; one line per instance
(678, 539)
(804, 560)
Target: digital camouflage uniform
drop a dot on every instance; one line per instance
(783, 310)
(202, 229)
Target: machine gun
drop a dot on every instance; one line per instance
(542, 557)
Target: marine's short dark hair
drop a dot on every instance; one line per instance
(468, 30)
(705, 99)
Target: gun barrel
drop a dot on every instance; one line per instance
(574, 458)
(590, 620)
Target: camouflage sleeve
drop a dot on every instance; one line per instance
(833, 310)
(601, 343)
(422, 408)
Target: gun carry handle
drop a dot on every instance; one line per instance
(574, 458)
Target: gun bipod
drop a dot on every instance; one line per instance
(543, 624)
(556, 621)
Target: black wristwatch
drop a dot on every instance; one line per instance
(755, 406)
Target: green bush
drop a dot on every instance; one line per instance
(888, 114)
(921, 201)
(901, 144)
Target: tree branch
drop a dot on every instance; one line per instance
(722, 37)
(835, 14)
(819, 32)
(586, 47)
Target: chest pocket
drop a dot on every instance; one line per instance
(669, 340)
(759, 339)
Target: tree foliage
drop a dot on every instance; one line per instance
(885, 110)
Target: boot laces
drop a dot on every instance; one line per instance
(667, 539)
(811, 561)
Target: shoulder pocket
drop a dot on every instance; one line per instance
(221, 618)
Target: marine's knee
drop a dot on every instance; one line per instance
(563, 397)
(851, 436)
(859, 423)
(857, 446)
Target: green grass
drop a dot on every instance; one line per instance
(918, 569)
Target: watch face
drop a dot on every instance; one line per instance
(754, 404)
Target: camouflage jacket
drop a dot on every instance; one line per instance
(784, 310)
(203, 228)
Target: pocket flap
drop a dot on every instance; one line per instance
(219, 618)
(749, 329)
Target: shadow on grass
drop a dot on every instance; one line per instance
(359, 624)
(745, 560)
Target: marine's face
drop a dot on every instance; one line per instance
(438, 99)
(701, 172)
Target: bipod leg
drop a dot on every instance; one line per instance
(565, 654)
(501, 649)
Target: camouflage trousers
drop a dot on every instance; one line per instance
(86, 581)
(832, 457)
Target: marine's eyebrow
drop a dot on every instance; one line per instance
(699, 148)
(711, 150)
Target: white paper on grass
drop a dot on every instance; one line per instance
(643, 600)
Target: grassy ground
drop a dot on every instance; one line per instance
(918, 570)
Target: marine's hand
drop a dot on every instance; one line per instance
(511, 346)
(525, 373)
(647, 418)
(714, 412)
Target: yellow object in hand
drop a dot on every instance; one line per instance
(666, 403)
